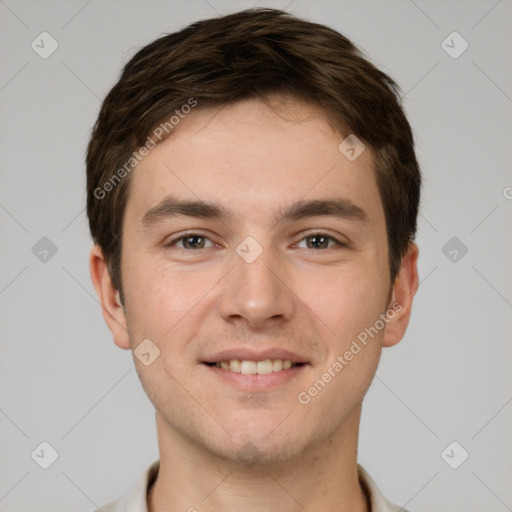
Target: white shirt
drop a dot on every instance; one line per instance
(136, 500)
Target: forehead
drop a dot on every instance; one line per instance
(255, 158)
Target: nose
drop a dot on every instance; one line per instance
(257, 293)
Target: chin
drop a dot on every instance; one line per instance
(253, 448)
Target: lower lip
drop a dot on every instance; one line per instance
(256, 382)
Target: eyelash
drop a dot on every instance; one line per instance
(175, 241)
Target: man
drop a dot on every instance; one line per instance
(252, 195)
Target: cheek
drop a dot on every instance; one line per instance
(346, 299)
(166, 307)
(165, 301)
(351, 306)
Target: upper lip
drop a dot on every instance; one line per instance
(255, 355)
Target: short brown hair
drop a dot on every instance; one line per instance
(251, 53)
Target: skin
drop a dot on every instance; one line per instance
(311, 299)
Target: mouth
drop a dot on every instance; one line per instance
(252, 367)
(255, 375)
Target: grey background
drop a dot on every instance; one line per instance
(62, 379)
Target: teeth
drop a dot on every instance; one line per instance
(263, 367)
(235, 366)
(247, 367)
(277, 365)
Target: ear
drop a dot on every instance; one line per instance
(113, 311)
(404, 289)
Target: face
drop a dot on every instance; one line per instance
(249, 241)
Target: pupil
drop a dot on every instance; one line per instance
(194, 241)
(317, 241)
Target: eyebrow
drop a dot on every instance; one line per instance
(171, 207)
(339, 207)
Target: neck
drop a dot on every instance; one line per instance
(191, 478)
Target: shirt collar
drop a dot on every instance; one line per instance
(378, 502)
(136, 501)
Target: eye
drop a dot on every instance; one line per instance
(191, 241)
(320, 241)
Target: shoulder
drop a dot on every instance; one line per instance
(136, 500)
(115, 506)
(378, 502)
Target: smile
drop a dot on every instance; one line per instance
(254, 376)
(249, 367)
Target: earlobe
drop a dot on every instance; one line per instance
(109, 297)
(400, 305)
